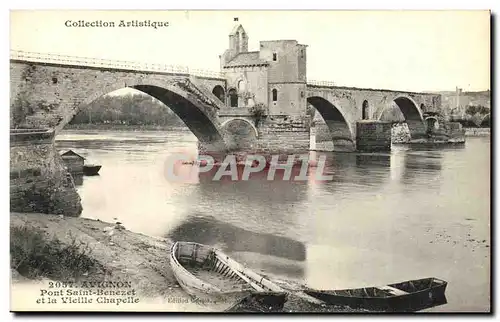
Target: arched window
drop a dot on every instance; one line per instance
(365, 111)
(233, 98)
(275, 56)
(275, 95)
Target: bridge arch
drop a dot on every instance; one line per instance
(224, 123)
(241, 134)
(338, 123)
(432, 123)
(413, 115)
(198, 117)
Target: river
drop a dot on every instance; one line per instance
(384, 218)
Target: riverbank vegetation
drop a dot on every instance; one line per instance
(474, 116)
(125, 127)
(125, 110)
(35, 254)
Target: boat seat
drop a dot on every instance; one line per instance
(392, 290)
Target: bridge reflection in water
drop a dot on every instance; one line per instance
(232, 239)
(270, 224)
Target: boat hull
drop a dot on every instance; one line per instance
(91, 170)
(409, 302)
(260, 302)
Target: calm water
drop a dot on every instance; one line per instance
(382, 219)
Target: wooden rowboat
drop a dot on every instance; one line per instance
(406, 296)
(91, 169)
(205, 273)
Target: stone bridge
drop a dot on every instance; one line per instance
(343, 107)
(47, 91)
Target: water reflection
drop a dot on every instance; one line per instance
(424, 167)
(232, 239)
(371, 161)
(268, 205)
(370, 170)
(208, 230)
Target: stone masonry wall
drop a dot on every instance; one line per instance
(283, 135)
(38, 180)
(321, 138)
(373, 136)
(276, 134)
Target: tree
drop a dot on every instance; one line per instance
(258, 111)
(132, 109)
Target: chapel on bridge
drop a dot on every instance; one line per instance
(275, 75)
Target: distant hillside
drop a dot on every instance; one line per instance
(449, 100)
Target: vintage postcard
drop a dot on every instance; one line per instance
(250, 161)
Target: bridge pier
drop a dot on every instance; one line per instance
(38, 180)
(273, 134)
(373, 136)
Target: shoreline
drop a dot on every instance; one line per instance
(480, 131)
(125, 256)
(124, 127)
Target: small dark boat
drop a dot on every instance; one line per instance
(91, 169)
(409, 296)
(205, 273)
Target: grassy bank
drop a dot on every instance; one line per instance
(59, 247)
(35, 255)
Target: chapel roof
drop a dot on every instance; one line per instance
(250, 58)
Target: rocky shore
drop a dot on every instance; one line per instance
(114, 254)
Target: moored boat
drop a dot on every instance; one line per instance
(205, 272)
(409, 296)
(91, 169)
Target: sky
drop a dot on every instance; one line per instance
(400, 50)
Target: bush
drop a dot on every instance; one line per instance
(479, 109)
(34, 255)
(258, 111)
